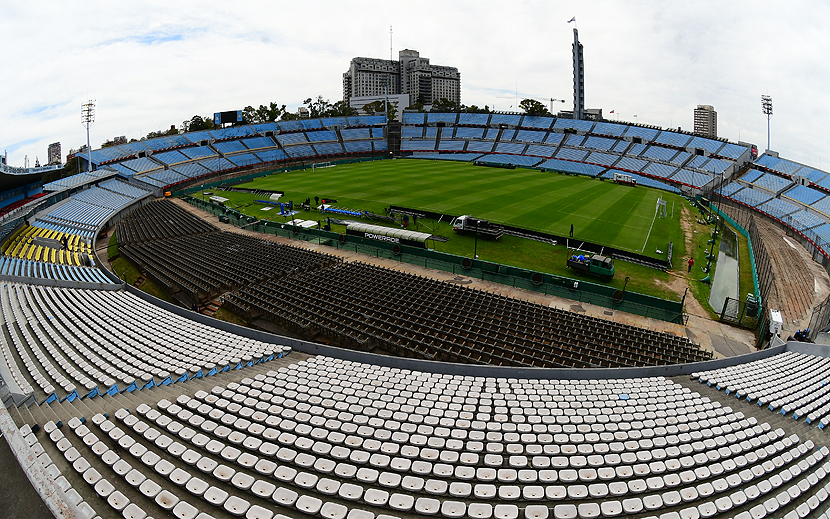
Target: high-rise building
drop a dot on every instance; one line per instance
(54, 153)
(411, 74)
(706, 121)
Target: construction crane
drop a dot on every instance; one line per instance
(550, 100)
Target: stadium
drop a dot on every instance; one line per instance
(377, 363)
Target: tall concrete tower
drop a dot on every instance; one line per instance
(579, 79)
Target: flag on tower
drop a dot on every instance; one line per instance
(612, 111)
(572, 19)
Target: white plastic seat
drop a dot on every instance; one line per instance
(284, 496)
(401, 502)
(506, 512)
(166, 500)
(565, 511)
(215, 496)
(537, 512)
(308, 504)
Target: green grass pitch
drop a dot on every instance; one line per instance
(601, 211)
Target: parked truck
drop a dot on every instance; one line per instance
(596, 265)
(466, 224)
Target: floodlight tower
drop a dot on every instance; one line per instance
(87, 118)
(766, 108)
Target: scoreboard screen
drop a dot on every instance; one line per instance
(234, 116)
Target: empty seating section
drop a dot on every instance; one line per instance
(141, 165)
(710, 145)
(350, 134)
(530, 136)
(732, 151)
(673, 139)
(610, 129)
(453, 145)
(467, 133)
(6, 209)
(566, 166)
(171, 157)
(183, 252)
(244, 159)
(599, 143)
(510, 147)
(804, 194)
(368, 307)
(554, 139)
(603, 159)
(77, 180)
(660, 170)
(574, 140)
(287, 139)
(468, 119)
(481, 146)
(811, 174)
(681, 158)
(791, 383)
(167, 142)
(221, 163)
(644, 181)
(621, 146)
(430, 132)
(782, 166)
(233, 132)
(752, 175)
(697, 162)
(412, 145)
(321, 136)
(271, 155)
(199, 152)
(571, 154)
(65, 249)
(508, 119)
(771, 182)
(533, 121)
(778, 208)
(448, 118)
(659, 153)
(82, 217)
(102, 198)
(715, 166)
(646, 134)
(123, 188)
(804, 220)
(516, 160)
(636, 150)
(38, 270)
(822, 206)
(329, 148)
(229, 147)
(507, 135)
(357, 146)
(90, 342)
(540, 150)
(691, 178)
(461, 157)
(164, 178)
(750, 196)
(336, 439)
(631, 164)
(573, 124)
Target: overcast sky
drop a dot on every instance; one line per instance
(152, 64)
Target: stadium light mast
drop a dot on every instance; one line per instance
(766, 108)
(87, 118)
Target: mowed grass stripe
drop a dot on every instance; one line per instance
(601, 212)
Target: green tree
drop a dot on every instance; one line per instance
(445, 105)
(317, 107)
(263, 114)
(376, 107)
(533, 107)
(473, 109)
(341, 109)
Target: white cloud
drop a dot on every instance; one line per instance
(152, 64)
